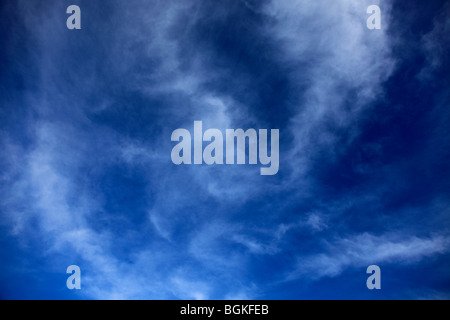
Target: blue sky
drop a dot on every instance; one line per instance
(86, 177)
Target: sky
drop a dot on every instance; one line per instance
(86, 177)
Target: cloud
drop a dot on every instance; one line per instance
(190, 290)
(334, 90)
(316, 222)
(435, 44)
(89, 176)
(366, 249)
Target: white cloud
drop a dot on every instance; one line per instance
(316, 222)
(435, 44)
(323, 42)
(188, 290)
(331, 51)
(366, 249)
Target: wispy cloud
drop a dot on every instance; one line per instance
(364, 250)
(89, 176)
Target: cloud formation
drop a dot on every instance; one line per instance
(87, 116)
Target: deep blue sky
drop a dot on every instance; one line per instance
(86, 176)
